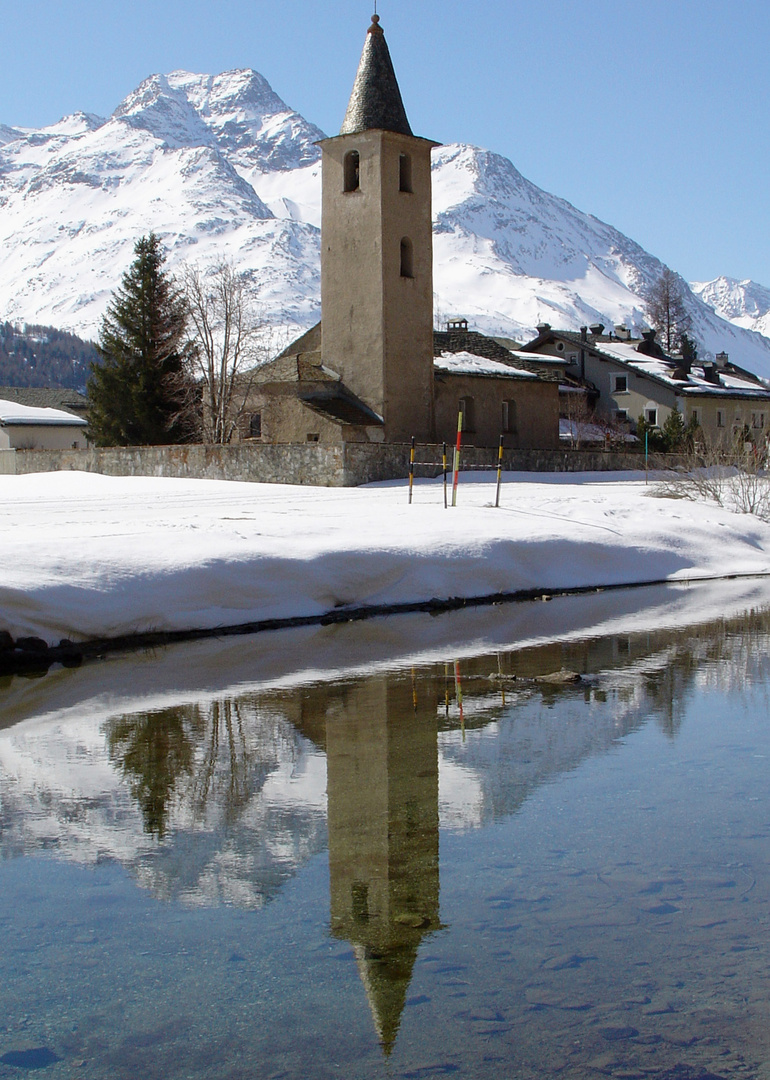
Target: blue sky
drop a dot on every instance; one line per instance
(653, 116)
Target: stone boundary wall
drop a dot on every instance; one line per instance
(329, 466)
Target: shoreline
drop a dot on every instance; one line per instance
(33, 657)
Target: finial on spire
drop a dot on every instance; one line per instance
(375, 28)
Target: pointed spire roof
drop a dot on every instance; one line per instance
(386, 977)
(375, 103)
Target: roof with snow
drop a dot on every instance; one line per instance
(46, 397)
(12, 413)
(481, 345)
(465, 363)
(647, 358)
(731, 382)
(375, 103)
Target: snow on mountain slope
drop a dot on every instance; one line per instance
(510, 255)
(219, 166)
(75, 197)
(744, 303)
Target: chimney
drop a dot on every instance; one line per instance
(597, 329)
(622, 333)
(648, 335)
(543, 327)
(711, 374)
(722, 359)
(584, 333)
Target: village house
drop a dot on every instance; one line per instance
(631, 378)
(28, 427)
(372, 370)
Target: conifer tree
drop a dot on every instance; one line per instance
(139, 394)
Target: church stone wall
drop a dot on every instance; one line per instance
(377, 329)
(326, 466)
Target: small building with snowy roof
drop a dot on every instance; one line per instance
(633, 378)
(297, 398)
(28, 427)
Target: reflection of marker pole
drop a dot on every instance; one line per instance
(414, 691)
(411, 471)
(459, 693)
(499, 471)
(645, 455)
(500, 673)
(456, 470)
(446, 690)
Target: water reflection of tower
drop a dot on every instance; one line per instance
(383, 837)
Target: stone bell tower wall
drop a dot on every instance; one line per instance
(377, 275)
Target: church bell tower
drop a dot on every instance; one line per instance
(377, 253)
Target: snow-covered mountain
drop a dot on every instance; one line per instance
(219, 166)
(744, 303)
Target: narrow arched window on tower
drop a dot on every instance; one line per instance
(352, 171)
(407, 258)
(404, 172)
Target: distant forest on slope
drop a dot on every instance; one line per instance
(44, 356)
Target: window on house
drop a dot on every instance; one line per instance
(313, 436)
(466, 410)
(509, 417)
(695, 415)
(621, 415)
(620, 384)
(720, 418)
(651, 417)
(407, 258)
(573, 358)
(255, 426)
(404, 172)
(352, 168)
(758, 420)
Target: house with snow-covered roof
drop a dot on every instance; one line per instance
(633, 378)
(28, 427)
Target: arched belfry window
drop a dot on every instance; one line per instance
(352, 170)
(404, 172)
(407, 258)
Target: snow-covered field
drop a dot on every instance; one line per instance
(84, 555)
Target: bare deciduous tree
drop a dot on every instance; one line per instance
(226, 345)
(731, 473)
(666, 309)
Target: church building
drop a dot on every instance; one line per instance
(373, 370)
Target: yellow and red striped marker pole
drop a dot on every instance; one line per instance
(456, 469)
(443, 462)
(499, 471)
(411, 471)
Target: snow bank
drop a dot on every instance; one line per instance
(94, 556)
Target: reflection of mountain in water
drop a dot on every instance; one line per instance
(526, 732)
(207, 804)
